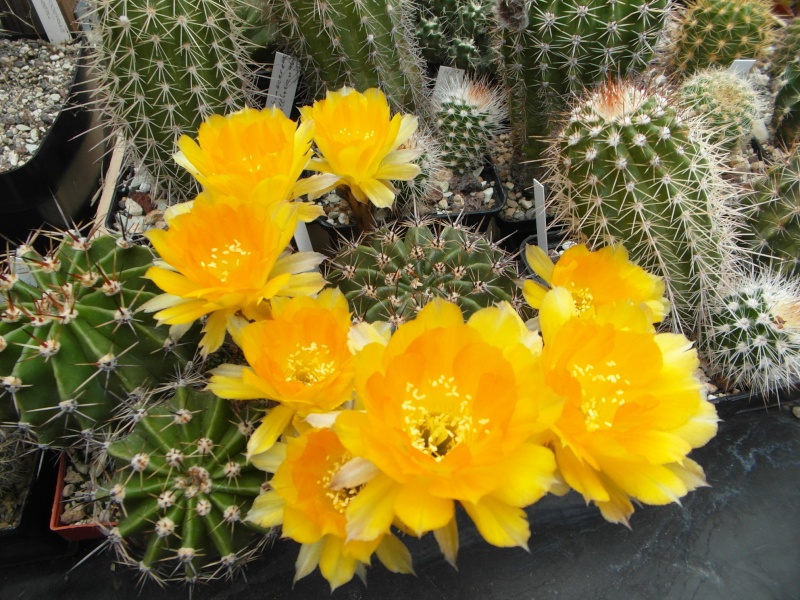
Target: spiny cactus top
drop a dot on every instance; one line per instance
(786, 77)
(392, 273)
(184, 486)
(73, 350)
(455, 32)
(629, 167)
(717, 32)
(164, 66)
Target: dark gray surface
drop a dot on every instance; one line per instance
(736, 540)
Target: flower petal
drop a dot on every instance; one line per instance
(271, 428)
(499, 524)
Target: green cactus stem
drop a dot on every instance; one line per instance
(456, 33)
(786, 78)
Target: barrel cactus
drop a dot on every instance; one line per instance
(394, 271)
(184, 486)
(628, 167)
(456, 33)
(359, 44)
(786, 77)
(164, 66)
(74, 353)
(717, 32)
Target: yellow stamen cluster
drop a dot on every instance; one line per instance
(309, 364)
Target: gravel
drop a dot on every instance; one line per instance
(34, 83)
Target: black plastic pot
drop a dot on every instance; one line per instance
(55, 186)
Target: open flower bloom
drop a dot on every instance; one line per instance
(452, 413)
(299, 357)
(633, 408)
(359, 143)
(252, 148)
(222, 255)
(595, 279)
(313, 514)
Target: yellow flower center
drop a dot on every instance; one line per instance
(602, 394)
(436, 433)
(222, 263)
(309, 364)
(582, 297)
(340, 499)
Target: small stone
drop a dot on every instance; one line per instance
(72, 476)
(153, 217)
(73, 514)
(68, 491)
(54, 97)
(510, 185)
(487, 194)
(511, 203)
(133, 208)
(796, 411)
(343, 219)
(458, 200)
(509, 212)
(526, 204)
(442, 204)
(22, 128)
(31, 148)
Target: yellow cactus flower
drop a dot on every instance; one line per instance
(313, 514)
(595, 279)
(633, 407)
(360, 143)
(451, 414)
(223, 255)
(252, 148)
(299, 358)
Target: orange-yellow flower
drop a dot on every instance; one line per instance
(222, 255)
(633, 408)
(252, 148)
(313, 514)
(451, 414)
(595, 279)
(299, 357)
(359, 143)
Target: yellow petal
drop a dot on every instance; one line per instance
(540, 263)
(556, 309)
(533, 293)
(447, 538)
(371, 513)
(270, 429)
(378, 192)
(230, 385)
(271, 459)
(267, 510)
(214, 329)
(394, 555)
(421, 512)
(307, 559)
(499, 524)
(336, 567)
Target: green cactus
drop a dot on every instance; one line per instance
(752, 340)
(717, 32)
(629, 168)
(786, 77)
(469, 116)
(392, 273)
(728, 104)
(163, 67)
(359, 44)
(74, 353)
(16, 468)
(456, 33)
(184, 486)
(773, 220)
(558, 48)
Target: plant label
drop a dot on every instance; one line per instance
(541, 221)
(283, 83)
(742, 66)
(52, 20)
(447, 76)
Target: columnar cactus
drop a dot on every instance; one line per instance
(163, 67)
(717, 32)
(728, 104)
(184, 486)
(629, 168)
(392, 273)
(469, 116)
(752, 341)
(359, 44)
(553, 49)
(774, 219)
(786, 77)
(74, 353)
(455, 32)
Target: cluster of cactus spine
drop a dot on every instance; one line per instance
(752, 340)
(727, 103)
(16, 464)
(74, 352)
(469, 116)
(629, 168)
(456, 33)
(786, 76)
(184, 486)
(717, 32)
(356, 43)
(773, 220)
(553, 49)
(394, 271)
(164, 66)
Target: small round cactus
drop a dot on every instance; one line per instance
(455, 32)
(394, 271)
(184, 486)
(752, 341)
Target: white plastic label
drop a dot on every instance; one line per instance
(52, 20)
(446, 75)
(541, 221)
(283, 84)
(742, 66)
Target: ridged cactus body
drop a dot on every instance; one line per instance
(556, 48)
(164, 66)
(75, 352)
(359, 44)
(628, 168)
(184, 487)
(455, 33)
(753, 336)
(395, 271)
(717, 32)
(728, 104)
(786, 77)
